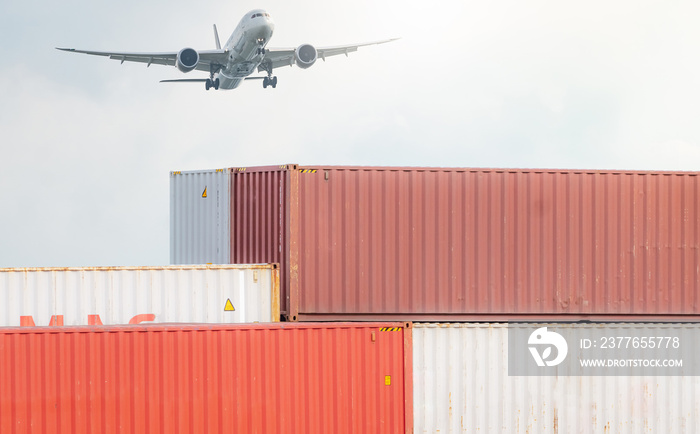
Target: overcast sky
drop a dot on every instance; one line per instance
(87, 144)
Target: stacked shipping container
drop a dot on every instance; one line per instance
(368, 243)
(461, 383)
(133, 295)
(283, 378)
(361, 243)
(203, 226)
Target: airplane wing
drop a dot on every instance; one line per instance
(285, 56)
(206, 58)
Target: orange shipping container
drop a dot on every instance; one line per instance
(253, 378)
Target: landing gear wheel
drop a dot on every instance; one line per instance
(273, 82)
(266, 82)
(208, 84)
(216, 84)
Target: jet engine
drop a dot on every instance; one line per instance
(187, 59)
(306, 55)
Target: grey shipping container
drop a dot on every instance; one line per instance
(199, 217)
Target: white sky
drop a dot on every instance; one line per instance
(87, 144)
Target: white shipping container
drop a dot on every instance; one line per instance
(461, 385)
(132, 295)
(199, 217)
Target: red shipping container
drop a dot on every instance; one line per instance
(472, 244)
(255, 378)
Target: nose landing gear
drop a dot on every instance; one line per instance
(261, 48)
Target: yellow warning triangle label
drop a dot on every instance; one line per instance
(204, 193)
(229, 306)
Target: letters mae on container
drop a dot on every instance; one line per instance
(205, 378)
(486, 244)
(132, 295)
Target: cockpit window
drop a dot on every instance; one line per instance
(260, 15)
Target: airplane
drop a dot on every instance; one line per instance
(245, 52)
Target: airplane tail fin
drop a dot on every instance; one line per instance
(216, 37)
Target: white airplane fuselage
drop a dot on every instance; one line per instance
(244, 48)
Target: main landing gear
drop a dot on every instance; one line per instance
(212, 83)
(270, 81)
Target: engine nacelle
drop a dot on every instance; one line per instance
(187, 59)
(306, 55)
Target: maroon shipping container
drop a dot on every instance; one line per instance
(271, 378)
(482, 244)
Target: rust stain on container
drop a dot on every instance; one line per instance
(434, 243)
(276, 313)
(282, 378)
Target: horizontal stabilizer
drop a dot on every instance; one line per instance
(186, 80)
(201, 80)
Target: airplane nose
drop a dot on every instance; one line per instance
(264, 30)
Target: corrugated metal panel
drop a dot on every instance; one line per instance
(284, 378)
(129, 295)
(432, 243)
(199, 217)
(259, 218)
(461, 385)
